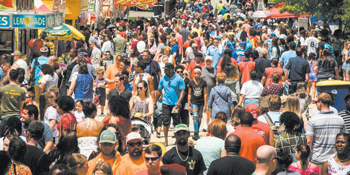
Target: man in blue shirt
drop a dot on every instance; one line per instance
(43, 59)
(287, 55)
(230, 43)
(174, 90)
(215, 52)
(299, 70)
(239, 54)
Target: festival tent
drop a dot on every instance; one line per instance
(275, 12)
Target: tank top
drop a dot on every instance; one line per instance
(140, 107)
(83, 87)
(335, 168)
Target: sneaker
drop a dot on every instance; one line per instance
(195, 136)
(158, 135)
(102, 115)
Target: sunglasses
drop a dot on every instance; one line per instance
(151, 158)
(139, 88)
(28, 97)
(135, 144)
(179, 72)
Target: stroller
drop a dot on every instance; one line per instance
(145, 129)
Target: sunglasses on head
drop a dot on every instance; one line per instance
(151, 158)
(135, 144)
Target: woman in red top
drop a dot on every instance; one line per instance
(65, 108)
(226, 60)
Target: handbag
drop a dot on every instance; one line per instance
(226, 100)
(153, 49)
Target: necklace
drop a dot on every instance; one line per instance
(344, 160)
(188, 153)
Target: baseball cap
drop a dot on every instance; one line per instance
(194, 45)
(230, 33)
(107, 136)
(169, 66)
(272, 35)
(133, 136)
(302, 31)
(264, 27)
(173, 169)
(218, 37)
(16, 53)
(180, 127)
(208, 58)
(243, 43)
(253, 109)
(44, 49)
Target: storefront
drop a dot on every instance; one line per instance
(16, 29)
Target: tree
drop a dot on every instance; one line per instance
(330, 9)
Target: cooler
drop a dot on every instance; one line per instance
(338, 88)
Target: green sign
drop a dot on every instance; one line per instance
(91, 6)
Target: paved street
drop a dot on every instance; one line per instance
(171, 140)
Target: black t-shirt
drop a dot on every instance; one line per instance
(36, 160)
(231, 165)
(194, 164)
(197, 92)
(126, 94)
(298, 68)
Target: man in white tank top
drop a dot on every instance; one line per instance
(18, 63)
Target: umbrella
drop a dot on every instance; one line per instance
(261, 14)
(64, 32)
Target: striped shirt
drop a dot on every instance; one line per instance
(345, 114)
(323, 128)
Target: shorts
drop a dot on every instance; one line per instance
(158, 121)
(167, 115)
(312, 77)
(198, 111)
(346, 66)
(248, 101)
(102, 99)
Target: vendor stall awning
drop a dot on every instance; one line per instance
(64, 32)
(275, 12)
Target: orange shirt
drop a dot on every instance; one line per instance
(114, 162)
(246, 67)
(129, 166)
(191, 67)
(262, 129)
(269, 71)
(110, 74)
(250, 142)
(233, 61)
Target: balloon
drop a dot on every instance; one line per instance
(141, 46)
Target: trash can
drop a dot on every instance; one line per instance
(338, 89)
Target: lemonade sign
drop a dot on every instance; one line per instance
(29, 21)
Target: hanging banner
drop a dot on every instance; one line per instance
(84, 5)
(5, 21)
(8, 5)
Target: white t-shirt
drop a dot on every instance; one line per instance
(22, 64)
(49, 81)
(252, 89)
(311, 44)
(52, 114)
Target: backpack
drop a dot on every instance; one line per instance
(327, 46)
(277, 130)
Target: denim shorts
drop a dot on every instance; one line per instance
(248, 101)
(199, 109)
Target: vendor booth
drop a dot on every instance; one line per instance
(275, 12)
(338, 89)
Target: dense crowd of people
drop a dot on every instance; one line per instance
(247, 83)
